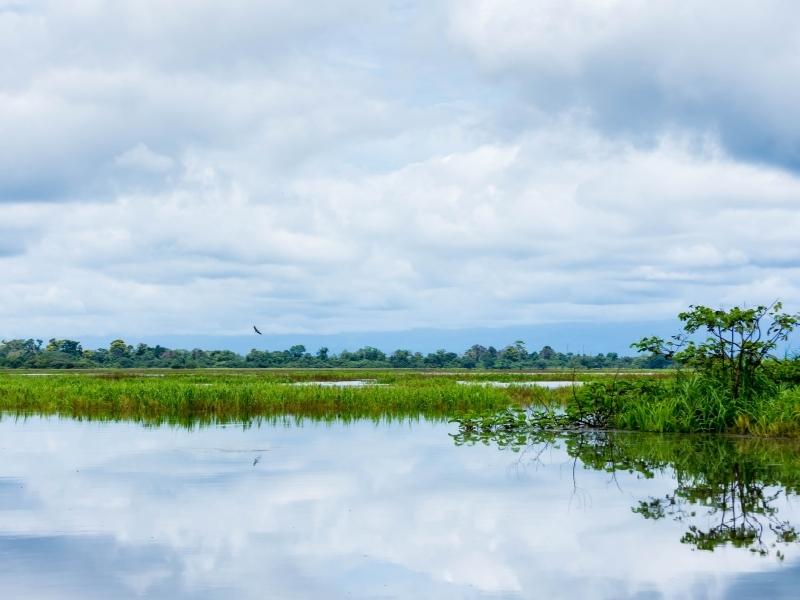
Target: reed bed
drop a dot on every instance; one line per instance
(206, 397)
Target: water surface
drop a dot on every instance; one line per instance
(553, 385)
(338, 383)
(359, 510)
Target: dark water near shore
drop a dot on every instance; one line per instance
(116, 510)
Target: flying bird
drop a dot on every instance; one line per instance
(257, 331)
(255, 461)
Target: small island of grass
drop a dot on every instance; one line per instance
(727, 382)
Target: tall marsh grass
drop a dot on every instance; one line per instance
(691, 403)
(219, 397)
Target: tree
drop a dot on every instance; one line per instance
(510, 355)
(547, 353)
(119, 349)
(369, 353)
(440, 358)
(488, 358)
(70, 347)
(737, 343)
(473, 355)
(297, 351)
(19, 353)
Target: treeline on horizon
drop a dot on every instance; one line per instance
(70, 354)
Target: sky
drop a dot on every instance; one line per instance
(191, 168)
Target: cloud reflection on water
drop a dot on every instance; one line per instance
(359, 510)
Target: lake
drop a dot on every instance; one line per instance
(386, 510)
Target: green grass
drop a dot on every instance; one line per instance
(198, 397)
(625, 401)
(690, 403)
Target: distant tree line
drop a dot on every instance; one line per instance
(70, 354)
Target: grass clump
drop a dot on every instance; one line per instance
(689, 403)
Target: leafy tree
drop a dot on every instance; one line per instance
(512, 356)
(547, 353)
(119, 349)
(18, 353)
(440, 358)
(70, 347)
(488, 358)
(737, 343)
(70, 354)
(401, 359)
(297, 351)
(368, 353)
(472, 356)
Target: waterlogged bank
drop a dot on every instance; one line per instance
(358, 510)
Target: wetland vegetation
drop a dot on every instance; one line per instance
(729, 382)
(726, 381)
(193, 397)
(714, 490)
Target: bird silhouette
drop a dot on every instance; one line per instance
(255, 461)
(256, 330)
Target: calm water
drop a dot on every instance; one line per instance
(92, 510)
(340, 383)
(505, 384)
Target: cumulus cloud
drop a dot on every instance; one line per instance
(140, 157)
(640, 67)
(381, 167)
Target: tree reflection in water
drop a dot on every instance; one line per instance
(736, 483)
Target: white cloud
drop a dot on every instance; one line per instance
(641, 67)
(311, 168)
(543, 237)
(140, 157)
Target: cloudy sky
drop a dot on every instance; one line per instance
(192, 167)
